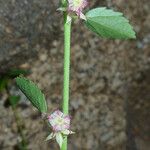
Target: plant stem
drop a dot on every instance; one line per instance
(67, 36)
(23, 144)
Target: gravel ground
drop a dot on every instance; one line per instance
(109, 89)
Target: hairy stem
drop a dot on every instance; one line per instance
(67, 36)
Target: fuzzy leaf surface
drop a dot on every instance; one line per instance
(109, 24)
(33, 93)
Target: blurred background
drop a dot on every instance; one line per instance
(110, 79)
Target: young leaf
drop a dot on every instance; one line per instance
(33, 93)
(59, 139)
(109, 24)
(49, 137)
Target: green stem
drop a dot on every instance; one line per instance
(67, 36)
(20, 129)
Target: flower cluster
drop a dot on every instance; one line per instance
(77, 6)
(60, 124)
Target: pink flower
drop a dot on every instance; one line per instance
(77, 6)
(59, 121)
(60, 124)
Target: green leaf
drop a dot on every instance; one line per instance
(14, 100)
(3, 83)
(33, 93)
(59, 139)
(16, 72)
(109, 24)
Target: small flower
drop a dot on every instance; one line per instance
(59, 121)
(77, 6)
(60, 124)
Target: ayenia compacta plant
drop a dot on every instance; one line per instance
(106, 23)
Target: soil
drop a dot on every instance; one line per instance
(109, 88)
